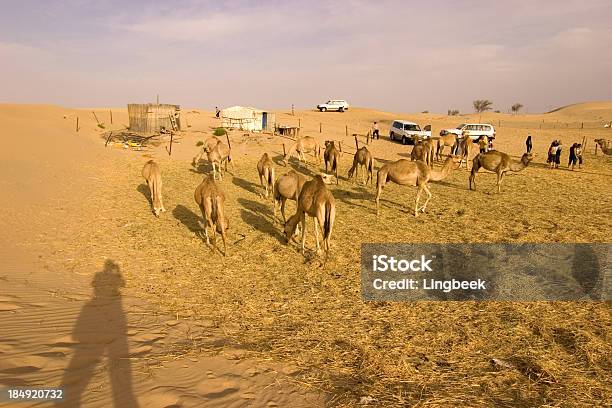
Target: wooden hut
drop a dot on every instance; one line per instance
(154, 118)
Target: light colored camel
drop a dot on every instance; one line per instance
(211, 201)
(331, 156)
(411, 173)
(216, 155)
(316, 201)
(499, 163)
(423, 150)
(605, 145)
(152, 174)
(363, 158)
(467, 148)
(304, 144)
(449, 140)
(287, 187)
(265, 168)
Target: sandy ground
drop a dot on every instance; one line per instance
(93, 281)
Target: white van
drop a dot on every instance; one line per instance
(404, 131)
(475, 130)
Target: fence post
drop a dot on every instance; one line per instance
(299, 122)
(77, 125)
(320, 127)
(96, 117)
(284, 152)
(356, 143)
(111, 115)
(346, 130)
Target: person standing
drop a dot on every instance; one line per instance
(573, 159)
(375, 131)
(528, 144)
(217, 111)
(578, 153)
(552, 153)
(558, 154)
(483, 142)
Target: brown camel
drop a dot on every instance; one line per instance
(331, 156)
(449, 140)
(265, 168)
(216, 155)
(416, 173)
(605, 145)
(303, 145)
(152, 174)
(498, 163)
(428, 152)
(363, 158)
(287, 187)
(211, 201)
(467, 148)
(316, 201)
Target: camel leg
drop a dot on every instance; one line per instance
(316, 221)
(378, 193)
(283, 202)
(429, 195)
(303, 223)
(500, 177)
(416, 203)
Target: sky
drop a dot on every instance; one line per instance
(402, 56)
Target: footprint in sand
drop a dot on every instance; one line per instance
(217, 387)
(8, 306)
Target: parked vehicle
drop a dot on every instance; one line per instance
(475, 130)
(405, 131)
(339, 105)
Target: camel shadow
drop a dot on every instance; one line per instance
(259, 216)
(145, 191)
(247, 185)
(203, 167)
(101, 330)
(189, 219)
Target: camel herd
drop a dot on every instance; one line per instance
(313, 198)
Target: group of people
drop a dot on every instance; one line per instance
(554, 153)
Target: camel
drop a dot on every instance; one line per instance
(467, 148)
(605, 145)
(303, 145)
(216, 155)
(449, 140)
(211, 200)
(331, 156)
(412, 173)
(499, 163)
(316, 201)
(423, 150)
(363, 158)
(265, 168)
(152, 174)
(287, 187)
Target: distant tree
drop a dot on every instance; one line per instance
(425, 111)
(219, 131)
(497, 111)
(453, 112)
(516, 108)
(481, 105)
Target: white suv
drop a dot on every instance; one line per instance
(475, 130)
(404, 131)
(339, 105)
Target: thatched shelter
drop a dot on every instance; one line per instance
(247, 118)
(154, 118)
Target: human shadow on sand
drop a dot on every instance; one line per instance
(260, 217)
(101, 330)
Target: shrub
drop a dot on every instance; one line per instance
(219, 131)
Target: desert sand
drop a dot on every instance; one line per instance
(142, 312)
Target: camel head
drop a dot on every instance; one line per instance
(327, 178)
(292, 228)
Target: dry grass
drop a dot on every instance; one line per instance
(277, 304)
